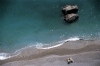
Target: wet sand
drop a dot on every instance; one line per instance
(84, 53)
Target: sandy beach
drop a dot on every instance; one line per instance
(36, 33)
(84, 53)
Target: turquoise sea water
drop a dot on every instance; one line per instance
(31, 22)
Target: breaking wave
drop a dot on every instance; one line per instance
(4, 56)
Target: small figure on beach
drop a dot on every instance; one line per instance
(70, 60)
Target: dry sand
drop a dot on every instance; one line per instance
(84, 53)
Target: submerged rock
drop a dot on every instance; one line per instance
(69, 9)
(71, 17)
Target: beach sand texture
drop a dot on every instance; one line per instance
(84, 53)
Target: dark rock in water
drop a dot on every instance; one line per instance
(69, 13)
(68, 9)
(71, 17)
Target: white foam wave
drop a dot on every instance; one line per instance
(4, 56)
(40, 45)
(51, 47)
(73, 39)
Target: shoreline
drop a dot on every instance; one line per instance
(68, 48)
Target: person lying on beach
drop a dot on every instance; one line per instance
(70, 60)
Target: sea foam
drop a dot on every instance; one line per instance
(4, 56)
(40, 46)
